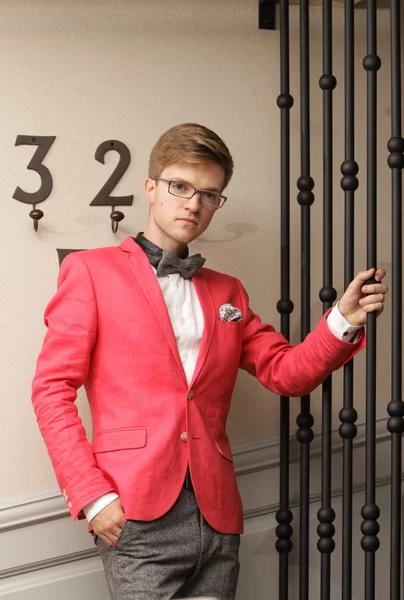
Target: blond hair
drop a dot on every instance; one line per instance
(192, 143)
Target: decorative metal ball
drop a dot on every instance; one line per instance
(372, 62)
(328, 82)
(285, 101)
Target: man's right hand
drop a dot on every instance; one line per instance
(108, 523)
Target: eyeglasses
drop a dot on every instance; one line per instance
(181, 189)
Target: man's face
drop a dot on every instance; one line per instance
(175, 222)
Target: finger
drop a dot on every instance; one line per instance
(116, 535)
(111, 532)
(371, 299)
(121, 520)
(361, 278)
(108, 539)
(115, 531)
(379, 312)
(375, 288)
(380, 273)
(376, 306)
(363, 275)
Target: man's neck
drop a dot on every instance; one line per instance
(168, 245)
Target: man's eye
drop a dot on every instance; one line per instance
(209, 195)
(180, 187)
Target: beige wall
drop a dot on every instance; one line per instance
(91, 71)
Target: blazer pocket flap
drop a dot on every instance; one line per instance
(224, 449)
(119, 439)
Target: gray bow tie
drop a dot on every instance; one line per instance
(186, 267)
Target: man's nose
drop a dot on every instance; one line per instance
(193, 203)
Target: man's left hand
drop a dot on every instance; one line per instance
(360, 299)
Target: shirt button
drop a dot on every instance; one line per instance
(184, 436)
(191, 395)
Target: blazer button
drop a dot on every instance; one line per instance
(191, 395)
(184, 436)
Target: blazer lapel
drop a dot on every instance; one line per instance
(209, 317)
(141, 269)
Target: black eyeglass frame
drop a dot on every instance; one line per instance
(196, 191)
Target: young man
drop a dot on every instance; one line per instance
(157, 342)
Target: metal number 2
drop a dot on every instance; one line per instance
(44, 143)
(103, 197)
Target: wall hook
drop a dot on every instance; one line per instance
(116, 218)
(36, 214)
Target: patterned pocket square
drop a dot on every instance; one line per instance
(227, 313)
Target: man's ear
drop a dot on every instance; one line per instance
(150, 189)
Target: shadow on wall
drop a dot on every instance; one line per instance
(237, 229)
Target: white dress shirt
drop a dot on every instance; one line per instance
(186, 318)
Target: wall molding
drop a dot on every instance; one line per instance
(32, 510)
(263, 453)
(74, 567)
(255, 462)
(249, 457)
(48, 563)
(314, 498)
(248, 514)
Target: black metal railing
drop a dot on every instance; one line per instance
(305, 197)
(395, 407)
(349, 184)
(328, 294)
(370, 510)
(285, 305)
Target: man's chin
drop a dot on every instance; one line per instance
(184, 237)
(185, 241)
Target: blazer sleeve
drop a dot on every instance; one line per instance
(62, 367)
(286, 369)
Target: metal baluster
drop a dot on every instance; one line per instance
(305, 199)
(326, 514)
(349, 183)
(370, 511)
(285, 305)
(395, 407)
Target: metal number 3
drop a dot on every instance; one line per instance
(35, 164)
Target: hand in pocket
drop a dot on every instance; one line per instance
(108, 523)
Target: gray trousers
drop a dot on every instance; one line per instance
(176, 556)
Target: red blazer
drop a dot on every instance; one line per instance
(109, 330)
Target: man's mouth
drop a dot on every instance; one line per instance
(187, 220)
